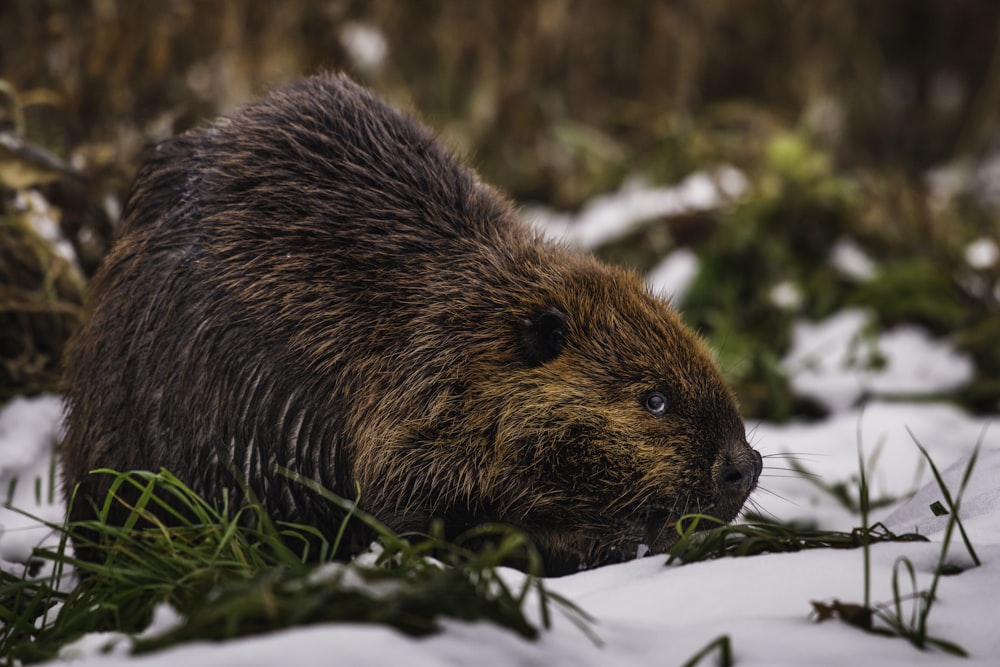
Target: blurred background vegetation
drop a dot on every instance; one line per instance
(836, 111)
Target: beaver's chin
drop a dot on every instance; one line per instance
(633, 539)
(598, 554)
(561, 557)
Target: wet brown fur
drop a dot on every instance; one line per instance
(318, 284)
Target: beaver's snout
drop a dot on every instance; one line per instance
(739, 471)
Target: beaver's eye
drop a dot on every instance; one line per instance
(655, 403)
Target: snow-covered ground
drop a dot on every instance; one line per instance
(646, 613)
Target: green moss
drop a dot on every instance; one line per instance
(915, 290)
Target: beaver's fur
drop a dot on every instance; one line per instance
(317, 284)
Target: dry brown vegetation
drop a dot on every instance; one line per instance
(554, 101)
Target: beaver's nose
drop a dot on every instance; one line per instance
(738, 474)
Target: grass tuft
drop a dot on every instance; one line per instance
(750, 539)
(894, 622)
(231, 574)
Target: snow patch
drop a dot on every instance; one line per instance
(44, 220)
(672, 277)
(982, 253)
(365, 44)
(894, 466)
(29, 427)
(851, 261)
(609, 217)
(786, 295)
(836, 363)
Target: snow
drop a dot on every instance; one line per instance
(365, 44)
(646, 613)
(894, 466)
(830, 361)
(44, 220)
(612, 216)
(979, 178)
(982, 253)
(672, 277)
(786, 295)
(28, 428)
(851, 261)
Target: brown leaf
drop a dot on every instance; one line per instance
(857, 615)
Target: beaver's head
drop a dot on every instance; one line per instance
(620, 424)
(585, 413)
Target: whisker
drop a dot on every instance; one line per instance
(777, 495)
(795, 456)
(757, 509)
(798, 471)
(798, 474)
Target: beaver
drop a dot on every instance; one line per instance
(318, 284)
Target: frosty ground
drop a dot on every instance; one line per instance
(647, 613)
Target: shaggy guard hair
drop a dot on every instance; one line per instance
(318, 284)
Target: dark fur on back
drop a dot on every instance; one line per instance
(317, 284)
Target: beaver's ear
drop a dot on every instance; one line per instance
(543, 336)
